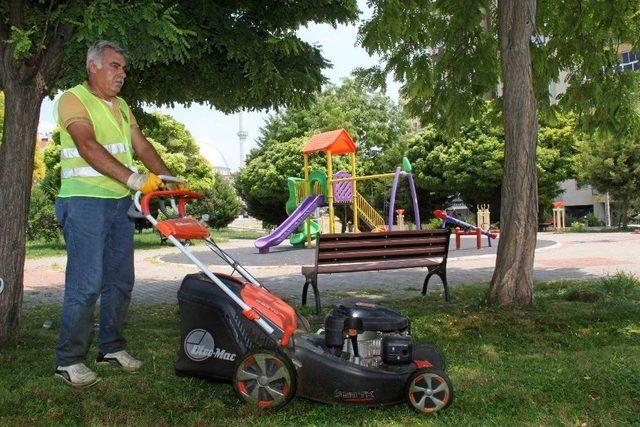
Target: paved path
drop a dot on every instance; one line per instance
(160, 271)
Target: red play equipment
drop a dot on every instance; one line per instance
(464, 229)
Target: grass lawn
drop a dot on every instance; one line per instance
(148, 239)
(573, 359)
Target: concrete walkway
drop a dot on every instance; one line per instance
(160, 271)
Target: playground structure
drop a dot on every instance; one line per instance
(483, 217)
(558, 216)
(465, 229)
(331, 189)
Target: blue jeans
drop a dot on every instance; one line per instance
(99, 238)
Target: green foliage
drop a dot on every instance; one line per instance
(592, 220)
(221, 204)
(578, 226)
(470, 162)
(177, 147)
(559, 140)
(38, 165)
(351, 106)
(612, 164)
(21, 41)
(50, 184)
(262, 183)
(450, 86)
(446, 53)
(433, 224)
(226, 54)
(42, 223)
(585, 41)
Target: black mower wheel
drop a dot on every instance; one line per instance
(429, 390)
(431, 354)
(265, 379)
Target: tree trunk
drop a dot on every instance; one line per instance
(22, 112)
(624, 211)
(512, 280)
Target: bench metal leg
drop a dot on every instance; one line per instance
(316, 293)
(313, 281)
(305, 288)
(442, 274)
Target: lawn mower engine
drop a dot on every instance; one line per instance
(372, 336)
(366, 356)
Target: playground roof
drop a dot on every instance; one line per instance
(338, 141)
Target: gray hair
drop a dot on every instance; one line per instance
(97, 49)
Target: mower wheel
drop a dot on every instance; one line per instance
(430, 353)
(265, 379)
(429, 390)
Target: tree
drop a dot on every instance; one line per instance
(470, 162)
(349, 105)
(450, 56)
(227, 54)
(613, 165)
(221, 204)
(262, 184)
(179, 150)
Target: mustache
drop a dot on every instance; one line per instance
(119, 80)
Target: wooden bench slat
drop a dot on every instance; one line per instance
(412, 241)
(371, 266)
(337, 256)
(444, 232)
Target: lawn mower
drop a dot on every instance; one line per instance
(234, 330)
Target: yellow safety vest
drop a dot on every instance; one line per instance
(78, 177)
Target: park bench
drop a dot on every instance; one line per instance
(355, 252)
(544, 226)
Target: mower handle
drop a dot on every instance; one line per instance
(164, 179)
(183, 197)
(169, 178)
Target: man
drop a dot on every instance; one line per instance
(99, 137)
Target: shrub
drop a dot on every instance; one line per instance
(221, 204)
(432, 224)
(42, 223)
(592, 220)
(578, 226)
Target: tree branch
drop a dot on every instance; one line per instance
(16, 13)
(4, 28)
(51, 62)
(46, 28)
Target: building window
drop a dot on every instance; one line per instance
(630, 61)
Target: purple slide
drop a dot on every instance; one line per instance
(290, 224)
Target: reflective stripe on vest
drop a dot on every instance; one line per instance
(79, 178)
(84, 172)
(73, 153)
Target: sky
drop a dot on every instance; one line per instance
(216, 133)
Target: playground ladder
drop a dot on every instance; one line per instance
(368, 212)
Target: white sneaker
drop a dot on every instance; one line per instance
(121, 358)
(77, 375)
